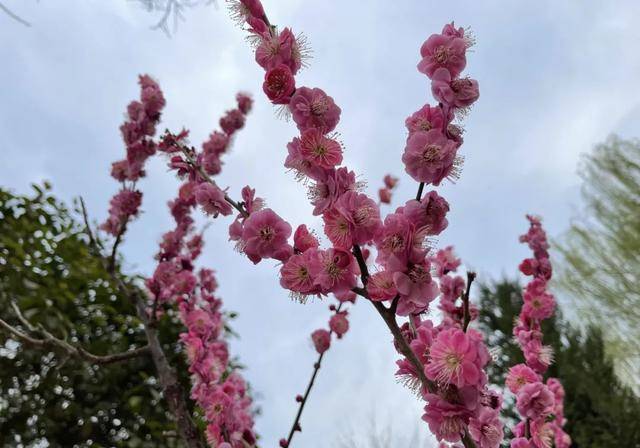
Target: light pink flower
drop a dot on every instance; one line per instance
(460, 92)
(321, 340)
(398, 243)
(265, 235)
(538, 306)
(295, 274)
(534, 400)
(335, 271)
(212, 200)
(416, 288)
(381, 286)
(445, 261)
(486, 428)
(312, 108)
(541, 433)
(279, 49)
(304, 240)
(425, 119)
(279, 84)
(539, 357)
(443, 51)
(446, 420)
(329, 186)
(429, 156)
(320, 151)
(429, 214)
(355, 219)
(454, 360)
(519, 376)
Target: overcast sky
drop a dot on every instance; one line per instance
(556, 77)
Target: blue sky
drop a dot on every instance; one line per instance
(555, 78)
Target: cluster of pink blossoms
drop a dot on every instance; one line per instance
(459, 404)
(142, 118)
(384, 194)
(217, 387)
(540, 404)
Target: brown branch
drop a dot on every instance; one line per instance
(167, 376)
(471, 276)
(316, 367)
(50, 341)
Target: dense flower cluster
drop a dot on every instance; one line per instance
(137, 130)
(217, 387)
(540, 404)
(405, 275)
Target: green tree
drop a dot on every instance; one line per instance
(599, 264)
(49, 392)
(601, 412)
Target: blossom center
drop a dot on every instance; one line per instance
(430, 153)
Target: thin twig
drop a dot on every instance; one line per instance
(420, 189)
(13, 15)
(471, 276)
(316, 367)
(205, 176)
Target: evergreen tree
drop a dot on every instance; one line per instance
(601, 411)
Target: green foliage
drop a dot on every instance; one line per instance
(600, 253)
(47, 268)
(601, 412)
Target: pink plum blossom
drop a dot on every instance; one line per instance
(265, 235)
(429, 156)
(312, 108)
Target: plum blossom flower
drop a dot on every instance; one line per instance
(425, 119)
(319, 150)
(355, 219)
(534, 400)
(443, 51)
(519, 376)
(312, 108)
(384, 194)
(538, 306)
(460, 92)
(416, 289)
(381, 286)
(429, 213)
(295, 274)
(329, 186)
(279, 84)
(335, 271)
(521, 442)
(454, 359)
(304, 240)
(339, 323)
(279, 49)
(486, 428)
(429, 156)
(446, 420)
(212, 200)
(265, 235)
(321, 340)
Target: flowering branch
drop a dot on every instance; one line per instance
(50, 341)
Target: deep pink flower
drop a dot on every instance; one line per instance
(251, 202)
(534, 400)
(381, 286)
(245, 102)
(265, 235)
(212, 200)
(446, 420)
(429, 156)
(425, 119)
(519, 376)
(335, 271)
(355, 219)
(279, 49)
(312, 108)
(232, 121)
(384, 194)
(416, 288)
(390, 181)
(454, 360)
(216, 144)
(321, 340)
(253, 7)
(279, 84)
(151, 97)
(320, 151)
(486, 428)
(443, 51)
(339, 323)
(460, 92)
